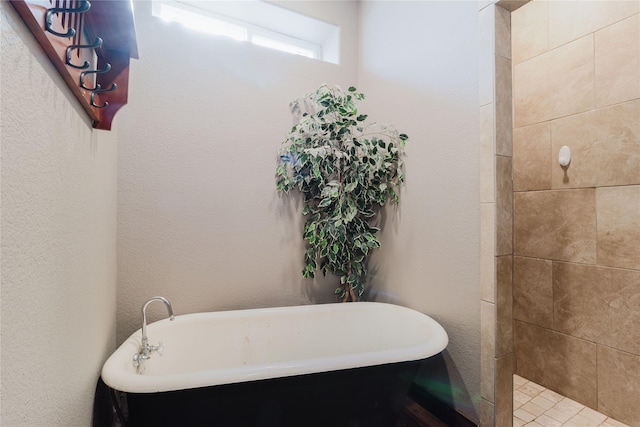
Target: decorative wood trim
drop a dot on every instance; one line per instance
(414, 415)
(109, 20)
(436, 410)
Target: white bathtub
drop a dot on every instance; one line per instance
(251, 361)
(205, 349)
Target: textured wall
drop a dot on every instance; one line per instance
(419, 69)
(577, 265)
(58, 241)
(199, 218)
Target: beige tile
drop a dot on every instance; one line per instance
(561, 415)
(555, 84)
(569, 20)
(532, 157)
(512, 5)
(610, 422)
(533, 291)
(568, 403)
(503, 32)
(529, 31)
(487, 351)
(552, 396)
(605, 147)
(598, 304)
(487, 252)
(617, 72)
(517, 422)
(503, 102)
(542, 402)
(486, 46)
(535, 387)
(618, 213)
(533, 409)
(520, 398)
(504, 312)
(504, 206)
(504, 390)
(556, 225)
(524, 415)
(579, 421)
(487, 413)
(564, 410)
(619, 385)
(487, 154)
(547, 421)
(557, 361)
(518, 381)
(591, 416)
(531, 389)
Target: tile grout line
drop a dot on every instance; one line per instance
(577, 411)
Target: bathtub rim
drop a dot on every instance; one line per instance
(127, 380)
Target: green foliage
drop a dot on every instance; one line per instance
(345, 169)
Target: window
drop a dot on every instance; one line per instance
(256, 22)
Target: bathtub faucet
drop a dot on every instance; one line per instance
(145, 348)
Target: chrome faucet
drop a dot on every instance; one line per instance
(145, 348)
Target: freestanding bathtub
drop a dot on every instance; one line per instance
(325, 365)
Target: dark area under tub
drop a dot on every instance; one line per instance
(360, 397)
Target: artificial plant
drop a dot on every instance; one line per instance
(345, 169)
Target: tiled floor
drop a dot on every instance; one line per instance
(536, 406)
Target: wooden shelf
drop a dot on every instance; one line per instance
(108, 20)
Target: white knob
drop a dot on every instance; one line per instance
(564, 157)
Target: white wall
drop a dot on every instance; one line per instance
(418, 67)
(199, 218)
(58, 241)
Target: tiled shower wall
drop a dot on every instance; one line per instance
(576, 264)
(496, 197)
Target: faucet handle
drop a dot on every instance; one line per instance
(138, 359)
(160, 348)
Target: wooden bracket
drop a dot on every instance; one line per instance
(77, 40)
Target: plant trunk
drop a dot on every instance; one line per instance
(349, 294)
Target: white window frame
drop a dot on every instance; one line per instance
(240, 30)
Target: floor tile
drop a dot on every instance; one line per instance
(533, 409)
(531, 389)
(594, 417)
(547, 421)
(542, 402)
(518, 381)
(570, 404)
(552, 396)
(517, 422)
(537, 406)
(610, 422)
(519, 399)
(560, 415)
(524, 415)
